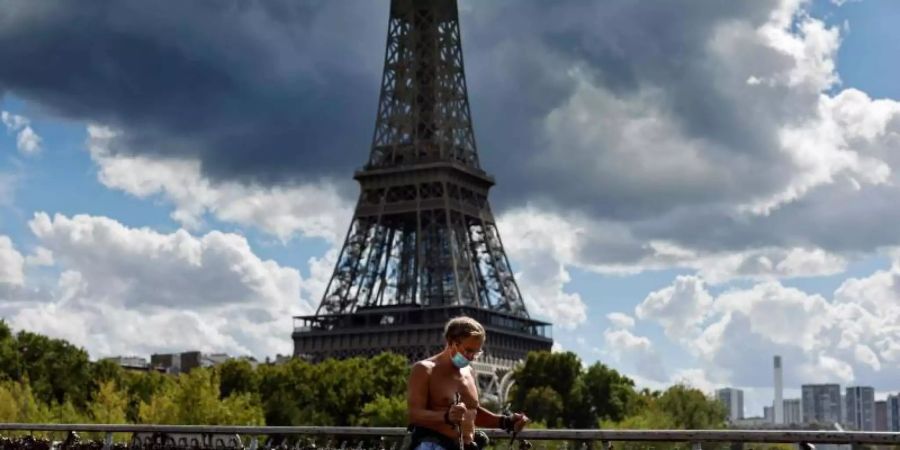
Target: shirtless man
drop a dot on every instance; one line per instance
(433, 387)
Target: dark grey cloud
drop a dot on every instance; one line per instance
(521, 62)
(269, 90)
(283, 91)
(257, 90)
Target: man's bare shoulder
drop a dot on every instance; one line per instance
(425, 365)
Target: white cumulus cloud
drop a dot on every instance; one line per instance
(852, 337)
(27, 141)
(11, 263)
(314, 209)
(135, 290)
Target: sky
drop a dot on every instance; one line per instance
(684, 189)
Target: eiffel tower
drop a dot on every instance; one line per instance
(423, 245)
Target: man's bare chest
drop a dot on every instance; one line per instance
(444, 388)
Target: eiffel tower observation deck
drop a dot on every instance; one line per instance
(423, 244)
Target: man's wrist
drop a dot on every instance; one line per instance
(447, 417)
(506, 423)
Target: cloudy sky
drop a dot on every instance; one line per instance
(685, 189)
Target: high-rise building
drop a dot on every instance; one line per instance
(843, 409)
(892, 415)
(881, 415)
(777, 403)
(821, 403)
(860, 408)
(769, 414)
(186, 361)
(733, 399)
(793, 414)
(129, 361)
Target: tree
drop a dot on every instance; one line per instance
(194, 400)
(690, 409)
(557, 371)
(237, 376)
(140, 387)
(58, 371)
(160, 409)
(384, 412)
(109, 404)
(586, 396)
(341, 389)
(288, 393)
(104, 371)
(66, 412)
(610, 393)
(545, 405)
(18, 404)
(389, 373)
(651, 417)
(679, 407)
(10, 364)
(578, 412)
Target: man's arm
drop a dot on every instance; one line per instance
(417, 402)
(487, 419)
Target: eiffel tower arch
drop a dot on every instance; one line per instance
(423, 245)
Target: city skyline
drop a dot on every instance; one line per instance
(855, 406)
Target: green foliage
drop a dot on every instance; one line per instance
(690, 409)
(555, 389)
(389, 374)
(384, 412)
(545, 405)
(679, 407)
(106, 371)
(18, 404)
(194, 400)
(287, 391)
(49, 380)
(609, 392)
(140, 388)
(66, 412)
(108, 405)
(554, 376)
(58, 371)
(237, 376)
(345, 387)
(10, 365)
(558, 371)
(332, 392)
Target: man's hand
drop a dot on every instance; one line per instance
(456, 412)
(519, 421)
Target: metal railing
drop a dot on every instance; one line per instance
(308, 437)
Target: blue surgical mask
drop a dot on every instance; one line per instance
(459, 360)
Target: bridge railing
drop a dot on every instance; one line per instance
(21, 436)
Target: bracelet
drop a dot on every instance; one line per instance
(506, 423)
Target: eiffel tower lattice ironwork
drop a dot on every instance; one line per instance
(423, 245)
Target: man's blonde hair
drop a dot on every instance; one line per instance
(462, 327)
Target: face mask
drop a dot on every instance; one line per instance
(459, 360)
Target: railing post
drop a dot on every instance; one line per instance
(254, 442)
(696, 446)
(107, 441)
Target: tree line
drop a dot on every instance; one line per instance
(50, 380)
